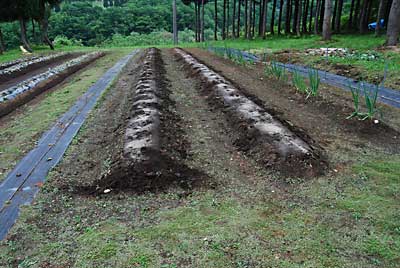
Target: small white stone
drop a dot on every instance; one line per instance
(106, 191)
(376, 121)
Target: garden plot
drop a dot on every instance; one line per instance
(25, 66)
(243, 214)
(152, 151)
(263, 135)
(23, 92)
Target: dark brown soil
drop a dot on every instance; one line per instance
(165, 165)
(322, 118)
(101, 156)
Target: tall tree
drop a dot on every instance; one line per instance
(238, 20)
(174, 22)
(321, 15)
(393, 28)
(224, 21)
(363, 16)
(334, 14)
(227, 17)
(381, 14)
(202, 20)
(2, 46)
(234, 18)
(296, 15)
(327, 28)
(311, 16)
(305, 14)
(350, 23)
(271, 28)
(288, 14)
(253, 19)
(280, 16)
(216, 20)
(299, 19)
(338, 16)
(356, 14)
(246, 18)
(316, 16)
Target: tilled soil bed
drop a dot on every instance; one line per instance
(275, 144)
(323, 118)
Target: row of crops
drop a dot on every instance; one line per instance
(25, 90)
(268, 135)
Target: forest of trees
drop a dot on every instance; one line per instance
(250, 18)
(94, 22)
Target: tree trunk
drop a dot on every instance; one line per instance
(363, 17)
(280, 16)
(393, 28)
(233, 19)
(295, 15)
(350, 23)
(322, 16)
(254, 19)
(246, 17)
(260, 12)
(250, 17)
(2, 46)
(271, 28)
(381, 14)
(227, 18)
(215, 20)
(287, 18)
(316, 17)
(44, 23)
(334, 14)
(264, 20)
(197, 21)
(238, 21)
(387, 11)
(311, 16)
(305, 14)
(24, 40)
(224, 21)
(327, 28)
(299, 19)
(339, 16)
(202, 20)
(356, 14)
(174, 23)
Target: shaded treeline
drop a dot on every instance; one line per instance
(257, 18)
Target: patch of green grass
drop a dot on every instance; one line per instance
(18, 135)
(385, 65)
(276, 42)
(349, 221)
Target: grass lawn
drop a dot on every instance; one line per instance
(275, 43)
(350, 220)
(19, 133)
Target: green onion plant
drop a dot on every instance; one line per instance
(298, 82)
(314, 80)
